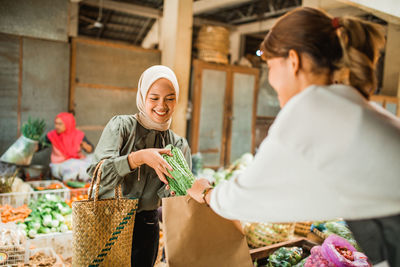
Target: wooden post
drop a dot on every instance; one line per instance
(73, 19)
(176, 47)
(391, 75)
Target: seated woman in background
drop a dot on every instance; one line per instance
(67, 158)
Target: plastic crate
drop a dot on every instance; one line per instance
(15, 199)
(12, 255)
(75, 192)
(63, 193)
(18, 199)
(47, 252)
(60, 242)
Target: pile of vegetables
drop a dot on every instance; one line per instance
(53, 186)
(336, 252)
(40, 259)
(33, 129)
(338, 228)
(234, 169)
(265, 234)
(76, 184)
(10, 236)
(285, 257)
(183, 177)
(77, 197)
(10, 214)
(345, 252)
(48, 215)
(12, 244)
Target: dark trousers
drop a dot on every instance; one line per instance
(145, 239)
(379, 238)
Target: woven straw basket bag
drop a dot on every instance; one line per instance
(102, 228)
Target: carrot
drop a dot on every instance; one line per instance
(9, 214)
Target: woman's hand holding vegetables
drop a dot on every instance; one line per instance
(197, 189)
(153, 158)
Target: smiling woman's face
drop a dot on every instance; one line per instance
(160, 101)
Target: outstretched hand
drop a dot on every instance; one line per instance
(197, 189)
(152, 157)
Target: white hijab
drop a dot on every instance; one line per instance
(147, 79)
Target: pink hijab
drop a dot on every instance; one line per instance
(69, 141)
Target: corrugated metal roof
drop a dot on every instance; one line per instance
(133, 29)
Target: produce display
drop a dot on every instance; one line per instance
(53, 186)
(336, 252)
(47, 216)
(339, 228)
(10, 214)
(183, 177)
(76, 198)
(40, 259)
(77, 184)
(317, 259)
(285, 257)
(234, 169)
(12, 244)
(10, 236)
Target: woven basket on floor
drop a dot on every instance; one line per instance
(103, 229)
(265, 234)
(302, 228)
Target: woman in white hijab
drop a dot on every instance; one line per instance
(132, 146)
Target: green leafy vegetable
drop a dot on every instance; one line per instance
(33, 129)
(183, 177)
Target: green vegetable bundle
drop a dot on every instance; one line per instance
(47, 216)
(33, 129)
(341, 230)
(285, 257)
(183, 177)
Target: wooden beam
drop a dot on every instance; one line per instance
(391, 74)
(20, 69)
(200, 22)
(255, 27)
(104, 86)
(73, 21)
(72, 81)
(388, 10)
(127, 8)
(204, 6)
(114, 44)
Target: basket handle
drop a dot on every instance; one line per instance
(96, 181)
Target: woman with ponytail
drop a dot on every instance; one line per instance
(330, 153)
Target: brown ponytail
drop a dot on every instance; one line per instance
(340, 45)
(360, 41)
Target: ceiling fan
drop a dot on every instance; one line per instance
(95, 23)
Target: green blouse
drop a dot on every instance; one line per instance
(121, 136)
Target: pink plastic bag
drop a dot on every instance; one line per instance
(316, 259)
(330, 253)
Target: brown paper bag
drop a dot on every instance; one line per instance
(195, 236)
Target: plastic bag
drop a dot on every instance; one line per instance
(21, 152)
(72, 169)
(317, 259)
(330, 252)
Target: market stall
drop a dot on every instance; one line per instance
(36, 220)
